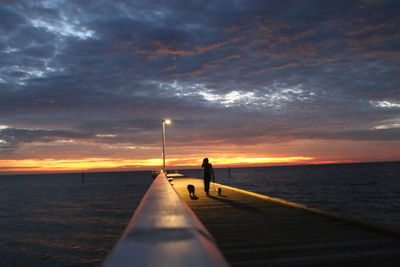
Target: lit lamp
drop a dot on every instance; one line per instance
(164, 122)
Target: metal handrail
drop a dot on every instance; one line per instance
(165, 232)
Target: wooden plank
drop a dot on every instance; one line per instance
(261, 231)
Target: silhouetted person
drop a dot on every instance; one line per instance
(208, 174)
(83, 177)
(229, 172)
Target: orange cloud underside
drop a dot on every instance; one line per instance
(52, 165)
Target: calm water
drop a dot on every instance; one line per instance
(370, 191)
(55, 220)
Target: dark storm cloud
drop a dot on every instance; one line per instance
(9, 18)
(277, 69)
(12, 137)
(375, 135)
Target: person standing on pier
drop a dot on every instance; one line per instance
(208, 174)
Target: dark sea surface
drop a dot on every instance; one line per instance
(367, 191)
(56, 220)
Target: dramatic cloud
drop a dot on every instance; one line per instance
(103, 74)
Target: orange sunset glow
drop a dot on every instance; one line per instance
(87, 164)
(77, 156)
(245, 132)
(267, 84)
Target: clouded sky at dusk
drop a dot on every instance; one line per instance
(85, 84)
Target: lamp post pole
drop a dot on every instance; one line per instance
(163, 142)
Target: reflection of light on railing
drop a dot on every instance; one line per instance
(165, 232)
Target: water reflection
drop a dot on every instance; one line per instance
(56, 220)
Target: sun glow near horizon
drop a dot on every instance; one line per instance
(88, 164)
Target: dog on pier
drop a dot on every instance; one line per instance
(191, 190)
(219, 190)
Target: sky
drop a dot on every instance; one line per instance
(85, 85)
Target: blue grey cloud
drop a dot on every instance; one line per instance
(265, 70)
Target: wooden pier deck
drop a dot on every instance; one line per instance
(256, 231)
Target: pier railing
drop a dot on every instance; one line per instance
(165, 232)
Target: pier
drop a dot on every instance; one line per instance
(241, 228)
(255, 230)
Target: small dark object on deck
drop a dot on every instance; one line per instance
(191, 190)
(219, 191)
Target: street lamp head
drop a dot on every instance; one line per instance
(167, 121)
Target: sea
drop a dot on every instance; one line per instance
(62, 220)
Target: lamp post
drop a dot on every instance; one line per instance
(164, 122)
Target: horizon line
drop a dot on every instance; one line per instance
(193, 167)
